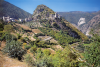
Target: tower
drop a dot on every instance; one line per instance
(3, 18)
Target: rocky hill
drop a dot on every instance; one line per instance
(51, 19)
(8, 9)
(42, 12)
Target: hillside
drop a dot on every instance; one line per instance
(48, 18)
(8, 9)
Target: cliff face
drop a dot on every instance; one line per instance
(81, 21)
(49, 18)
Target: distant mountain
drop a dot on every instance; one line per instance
(84, 21)
(7, 9)
(93, 24)
(51, 19)
(74, 16)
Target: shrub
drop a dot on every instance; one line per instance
(33, 49)
(40, 34)
(8, 28)
(24, 44)
(80, 48)
(29, 60)
(14, 49)
(27, 47)
(46, 52)
(39, 54)
(1, 27)
(19, 36)
(72, 56)
(44, 62)
(55, 25)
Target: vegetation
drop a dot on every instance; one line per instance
(92, 53)
(39, 34)
(62, 37)
(14, 49)
(8, 28)
(29, 60)
(46, 59)
(1, 27)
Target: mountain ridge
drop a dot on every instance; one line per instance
(8, 9)
(74, 16)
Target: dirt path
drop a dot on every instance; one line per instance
(10, 62)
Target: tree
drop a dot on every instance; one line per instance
(1, 27)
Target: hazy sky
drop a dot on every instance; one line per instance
(58, 5)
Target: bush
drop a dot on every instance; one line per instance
(46, 52)
(19, 36)
(39, 34)
(33, 49)
(72, 56)
(8, 28)
(55, 25)
(1, 27)
(14, 49)
(29, 60)
(27, 47)
(80, 48)
(44, 62)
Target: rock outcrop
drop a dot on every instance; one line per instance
(81, 21)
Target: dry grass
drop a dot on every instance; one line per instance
(57, 47)
(2, 60)
(51, 50)
(14, 34)
(36, 31)
(23, 26)
(53, 41)
(10, 62)
(43, 37)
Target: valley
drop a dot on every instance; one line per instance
(47, 39)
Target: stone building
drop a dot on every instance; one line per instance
(8, 19)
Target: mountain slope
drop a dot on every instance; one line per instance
(7, 9)
(50, 19)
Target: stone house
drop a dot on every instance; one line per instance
(8, 19)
